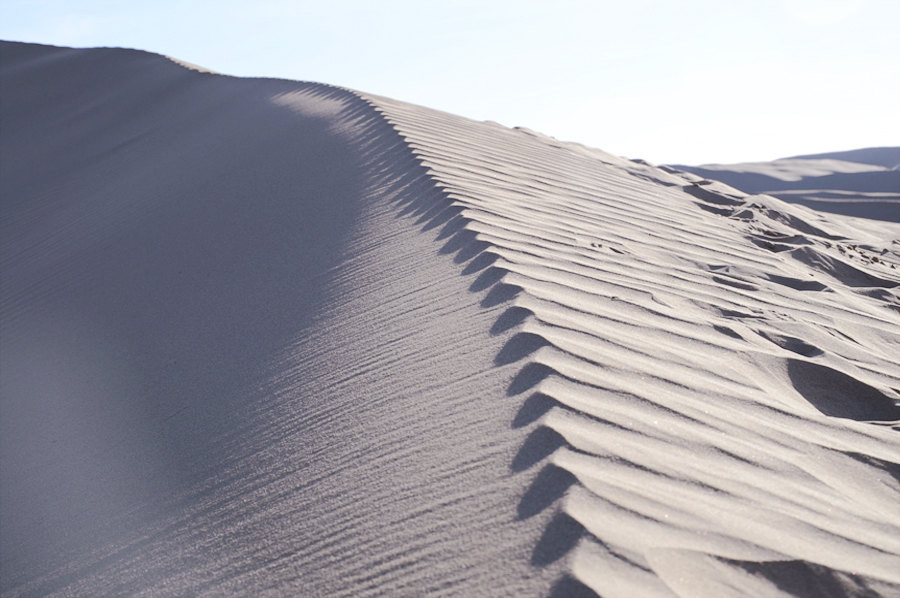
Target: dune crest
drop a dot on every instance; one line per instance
(279, 337)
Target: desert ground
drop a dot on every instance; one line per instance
(263, 337)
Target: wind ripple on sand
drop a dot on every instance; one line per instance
(704, 409)
(643, 384)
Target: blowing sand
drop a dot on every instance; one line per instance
(263, 337)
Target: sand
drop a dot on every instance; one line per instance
(265, 337)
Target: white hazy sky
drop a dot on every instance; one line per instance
(687, 81)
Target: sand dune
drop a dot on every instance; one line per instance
(863, 183)
(265, 337)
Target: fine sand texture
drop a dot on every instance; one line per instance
(263, 338)
(863, 183)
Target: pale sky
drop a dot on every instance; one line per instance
(689, 81)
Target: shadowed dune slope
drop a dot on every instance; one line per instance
(238, 358)
(264, 337)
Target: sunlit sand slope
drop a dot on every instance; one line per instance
(264, 337)
(707, 381)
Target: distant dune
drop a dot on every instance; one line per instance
(888, 157)
(263, 337)
(863, 183)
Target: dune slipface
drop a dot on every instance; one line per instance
(264, 337)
